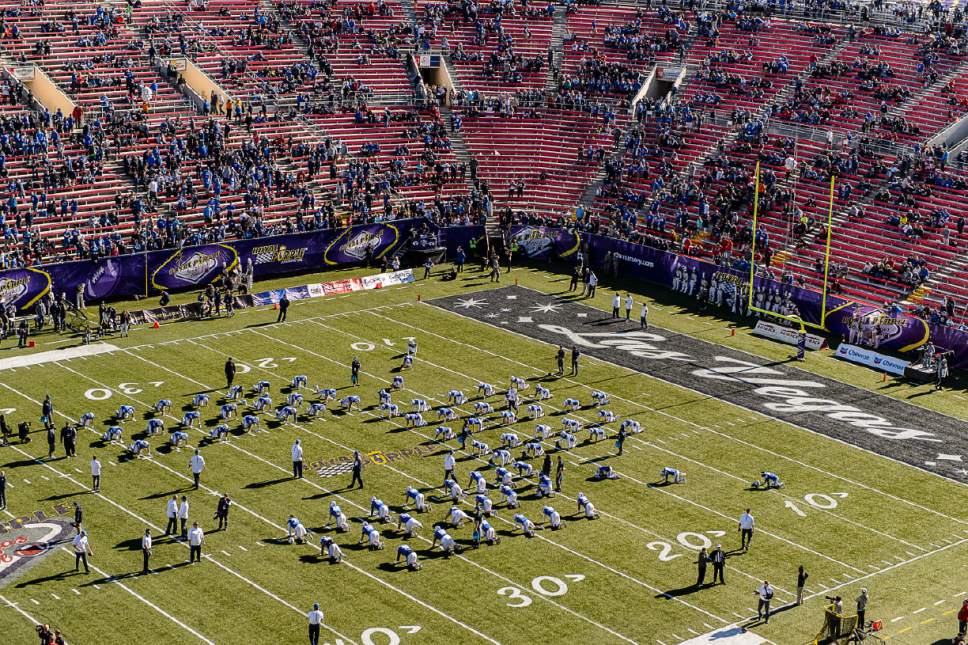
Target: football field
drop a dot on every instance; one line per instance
(865, 503)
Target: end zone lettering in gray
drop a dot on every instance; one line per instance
(920, 437)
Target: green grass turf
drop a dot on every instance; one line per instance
(898, 531)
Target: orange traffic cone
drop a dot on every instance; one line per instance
(31, 344)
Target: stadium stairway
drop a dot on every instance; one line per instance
(557, 50)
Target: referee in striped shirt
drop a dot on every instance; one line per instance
(315, 618)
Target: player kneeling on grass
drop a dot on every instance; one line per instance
(420, 405)
(139, 448)
(219, 432)
(596, 434)
(584, 504)
(477, 482)
(510, 440)
(380, 509)
(155, 426)
(112, 434)
(510, 496)
(418, 498)
(200, 400)
(508, 417)
(500, 456)
(191, 419)
(329, 548)
(447, 543)
(535, 411)
(572, 404)
(234, 393)
(455, 516)
(542, 431)
(443, 433)
(456, 397)
(454, 490)
(251, 423)
(554, 518)
(533, 448)
(447, 414)
(480, 448)
(124, 413)
(298, 382)
(409, 556)
(372, 537)
(315, 409)
(337, 516)
(414, 420)
(228, 411)
(471, 422)
(605, 472)
(390, 410)
(261, 387)
(770, 480)
(326, 393)
(565, 440)
(524, 469)
(485, 389)
(407, 362)
(631, 426)
(295, 530)
(483, 407)
(178, 439)
(409, 525)
(263, 403)
(503, 477)
(397, 383)
(86, 420)
(295, 399)
(606, 416)
(600, 398)
(487, 533)
(285, 413)
(163, 406)
(678, 477)
(349, 401)
(527, 526)
(483, 504)
(544, 486)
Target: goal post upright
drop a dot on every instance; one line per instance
(826, 260)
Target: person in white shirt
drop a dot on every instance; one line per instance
(628, 306)
(616, 303)
(197, 463)
(746, 530)
(146, 551)
(171, 512)
(82, 549)
(644, 316)
(297, 460)
(315, 618)
(765, 592)
(183, 516)
(449, 462)
(96, 474)
(195, 538)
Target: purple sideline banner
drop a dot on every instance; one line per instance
(146, 274)
(542, 242)
(856, 323)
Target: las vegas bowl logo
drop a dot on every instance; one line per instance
(21, 547)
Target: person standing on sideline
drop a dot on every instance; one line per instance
(197, 464)
(183, 516)
(145, 552)
(229, 372)
(283, 308)
(222, 512)
(297, 460)
(355, 371)
(459, 258)
(82, 549)
(95, 474)
(644, 316)
(616, 305)
(172, 513)
(560, 359)
(3, 490)
(195, 538)
(51, 442)
(765, 592)
(801, 582)
(357, 469)
(575, 355)
(559, 474)
(862, 608)
(78, 516)
(592, 283)
(746, 530)
(801, 344)
(718, 560)
(315, 618)
(702, 561)
(449, 463)
(963, 618)
(628, 307)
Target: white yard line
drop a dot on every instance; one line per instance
(20, 611)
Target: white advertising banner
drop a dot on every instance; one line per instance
(870, 358)
(786, 334)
